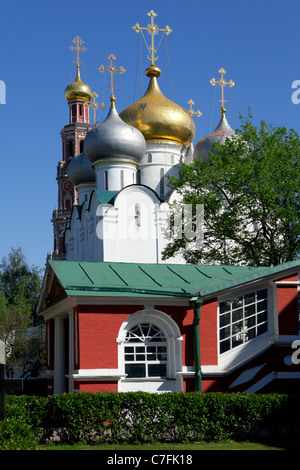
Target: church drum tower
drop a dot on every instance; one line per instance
(78, 95)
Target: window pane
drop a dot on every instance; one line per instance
(262, 328)
(251, 333)
(237, 302)
(129, 357)
(262, 294)
(249, 298)
(224, 307)
(262, 305)
(225, 332)
(162, 357)
(225, 319)
(157, 370)
(224, 346)
(140, 357)
(237, 340)
(145, 328)
(262, 317)
(250, 322)
(140, 349)
(135, 370)
(250, 310)
(151, 357)
(237, 327)
(129, 349)
(237, 315)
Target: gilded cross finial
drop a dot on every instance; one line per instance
(95, 105)
(153, 30)
(112, 70)
(191, 112)
(222, 84)
(78, 43)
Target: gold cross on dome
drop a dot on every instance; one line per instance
(112, 70)
(222, 84)
(78, 43)
(153, 30)
(191, 112)
(95, 106)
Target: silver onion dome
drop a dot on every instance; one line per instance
(80, 170)
(219, 135)
(114, 139)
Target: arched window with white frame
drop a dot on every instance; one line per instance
(145, 351)
(150, 351)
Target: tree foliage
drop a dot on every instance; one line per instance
(250, 190)
(19, 283)
(19, 290)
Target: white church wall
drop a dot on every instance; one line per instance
(160, 160)
(129, 228)
(113, 176)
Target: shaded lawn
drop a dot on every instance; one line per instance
(195, 446)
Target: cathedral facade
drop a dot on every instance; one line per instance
(118, 316)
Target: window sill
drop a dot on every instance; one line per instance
(146, 379)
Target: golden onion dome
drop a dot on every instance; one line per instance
(78, 90)
(157, 117)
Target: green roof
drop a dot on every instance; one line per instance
(106, 197)
(156, 280)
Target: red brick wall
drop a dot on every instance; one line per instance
(287, 307)
(98, 328)
(209, 333)
(95, 387)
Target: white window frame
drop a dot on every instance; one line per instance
(269, 320)
(171, 332)
(146, 346)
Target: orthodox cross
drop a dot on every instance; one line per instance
(95, 106)
(153, 30)
(222, 84)
(78, 43)
(112, 70)
(191, 112)
(7, 384)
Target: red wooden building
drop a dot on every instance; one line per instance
(160, 327)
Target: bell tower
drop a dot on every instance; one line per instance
(78, 96)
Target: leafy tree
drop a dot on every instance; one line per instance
(19, 283)
(13, 318)
(28, 353)
(19, 290)
(250, 190)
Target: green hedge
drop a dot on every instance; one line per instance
(138, 417)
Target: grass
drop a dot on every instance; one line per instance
(195, 446)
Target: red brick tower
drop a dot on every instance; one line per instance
(78, 95)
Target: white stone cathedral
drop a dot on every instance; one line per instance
(119, 174)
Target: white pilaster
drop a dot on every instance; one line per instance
(59, 356)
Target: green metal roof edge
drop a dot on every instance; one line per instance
(263, 271)
(131, 290)
(258, 273)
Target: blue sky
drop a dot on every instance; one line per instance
(256, 42)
